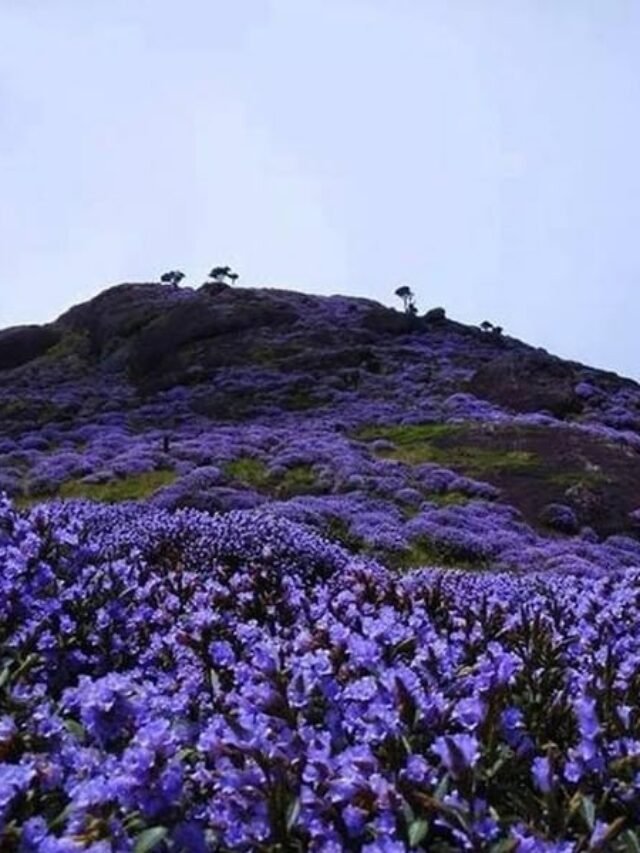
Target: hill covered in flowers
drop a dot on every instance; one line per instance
(288, 572)
(416, 440)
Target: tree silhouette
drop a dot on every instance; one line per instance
(220, 273)
(408, 299)
(172, 277)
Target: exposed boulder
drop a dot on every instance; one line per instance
(203, 332)
(21, 344)
(117, 314)
(387, 321)
(528, 382)
(214, 288)
(436, 315)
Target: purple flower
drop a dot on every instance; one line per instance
(14, 779)
(417, 769)
(585, 709)
(459, 753)
(362, 690)
(221, 653)
(470, 711)
(354, 819)
(542, 773)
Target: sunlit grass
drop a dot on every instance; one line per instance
(132, 488)
(249, 471)
(449, 445)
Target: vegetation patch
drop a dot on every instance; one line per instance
(338, 530)
(271, 355)
(136, 487)
(447, 498)
(408, 434)
(249, 471)
(71, 345)
(252, 472)
(300, 401)
(531, 465)
(133, 488)
(587, 478)
(448, 445)
(426, 552)
(299, 480)
(263, 355)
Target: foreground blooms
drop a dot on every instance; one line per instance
(189, 683)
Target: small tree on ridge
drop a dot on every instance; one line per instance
(408, 300)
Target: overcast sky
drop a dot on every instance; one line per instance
(484, 152)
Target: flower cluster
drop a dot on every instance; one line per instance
(186, 682)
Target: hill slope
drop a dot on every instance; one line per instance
(265, 677)
(415, 440)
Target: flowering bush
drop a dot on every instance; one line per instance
(188, 682)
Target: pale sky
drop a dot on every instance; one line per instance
(484, 152)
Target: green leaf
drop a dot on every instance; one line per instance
(150, 838)
(187, 753)
(215, 680)
(631, 841)
(588, 811)
(293, 813)
(408, 813)
(418, 831)
(76, 729)
(61, 818)
(443, 787)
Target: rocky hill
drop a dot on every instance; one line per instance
(417, 440)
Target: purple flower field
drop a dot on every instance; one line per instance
(288, 573)
(234, 682)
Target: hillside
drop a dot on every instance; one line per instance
(419, 441)
(324, 577)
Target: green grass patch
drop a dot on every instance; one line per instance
(408, 511)
(448, 445)
(299, 480)
(38, 412)
(421, 552)
(407, 434)
(252, 472)
(133, 488)
(424, 552)
(566, 479)
(300, 401)
(447, 498)
(26, 502)
(249, 471)
(339, 531)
